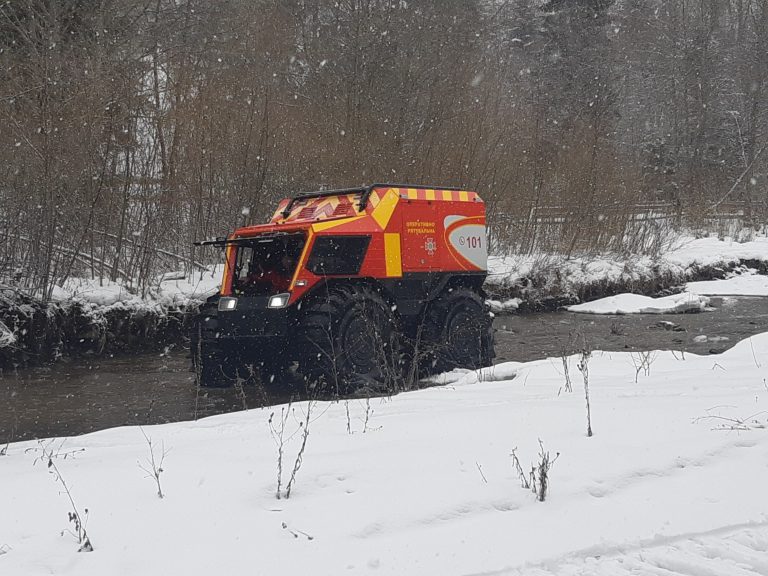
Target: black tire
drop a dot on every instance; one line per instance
(349, 340)
(458, 332)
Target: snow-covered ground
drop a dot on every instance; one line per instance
(712, 251)
(561, 276)
(174, 290)
(672, 482)
(738, 285)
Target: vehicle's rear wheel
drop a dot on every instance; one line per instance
(349, 340)
(458, 332)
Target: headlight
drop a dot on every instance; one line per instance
(278, 300)
(227, 303)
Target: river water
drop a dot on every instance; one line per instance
(80, 395)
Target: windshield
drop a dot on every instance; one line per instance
(266, 265)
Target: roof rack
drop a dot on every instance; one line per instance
(365, 192)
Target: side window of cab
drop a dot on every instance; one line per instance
(338, 255)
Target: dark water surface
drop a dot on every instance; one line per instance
(533, 336)
(85, 394)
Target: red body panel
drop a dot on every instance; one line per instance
(412, 230)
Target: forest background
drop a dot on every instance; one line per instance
(131, 128)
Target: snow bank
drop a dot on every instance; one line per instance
(174, 290)
(561, 274)
(742, 285)
(97, 316)
(672, 481)
(713, 251)
(637, 304)
(99, 292)
(550, 275)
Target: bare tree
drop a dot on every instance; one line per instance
(128, 128)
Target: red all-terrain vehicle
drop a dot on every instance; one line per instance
(372, 286)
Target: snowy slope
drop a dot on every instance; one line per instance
(742, 285)
(175, 290)
(672, 482)
(561, 275)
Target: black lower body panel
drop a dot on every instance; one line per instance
(227, 344)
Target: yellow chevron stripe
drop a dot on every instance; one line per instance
(302, 259)
(383, 212)
(327, 224)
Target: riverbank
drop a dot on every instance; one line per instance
(37, 332)
(99, 317)
(547, 282)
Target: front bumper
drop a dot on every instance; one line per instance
(252, 329)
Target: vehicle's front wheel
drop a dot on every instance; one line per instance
(349, 340)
